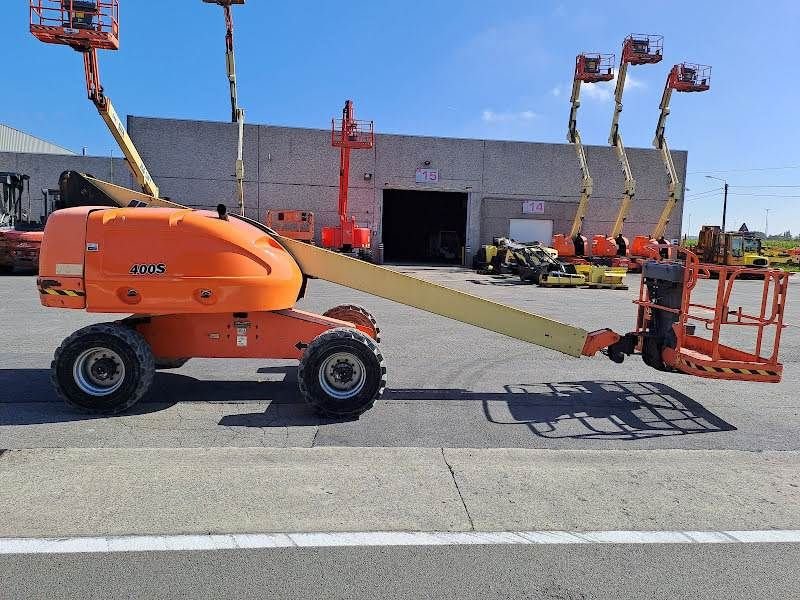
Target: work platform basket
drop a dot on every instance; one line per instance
(81, 24)
(689, 77)
(591, 67)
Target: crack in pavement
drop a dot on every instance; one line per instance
(458, 489)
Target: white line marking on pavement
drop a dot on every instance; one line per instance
(161, 543)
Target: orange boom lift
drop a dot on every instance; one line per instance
(637, 49)
(194, 283)
(685, 77)
(589, 68)
(348, 134)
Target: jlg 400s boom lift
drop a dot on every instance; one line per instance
(589, 68)
(348, 134)
(88, 26)
(208, 284)
(684, 77)
(636, 50)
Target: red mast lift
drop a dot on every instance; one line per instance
(348, 134)
(589, 68)
(637, 49)
(684, 77)
(88, 26)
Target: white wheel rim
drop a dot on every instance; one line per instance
(342, 375)
(98, 371)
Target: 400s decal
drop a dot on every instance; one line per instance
(148, 269)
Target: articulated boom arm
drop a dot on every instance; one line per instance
(112, 120)
(574, 137)
(660, 143)
(615, 139)
(237, 113)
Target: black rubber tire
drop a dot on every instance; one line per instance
(342, 339)
(365, 254)
(355, 314)
(131, 347)
(6, 269)
(163, 364)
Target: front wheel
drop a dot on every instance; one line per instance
(103, 369)
(342, 373)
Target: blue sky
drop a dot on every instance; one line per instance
(463, 68)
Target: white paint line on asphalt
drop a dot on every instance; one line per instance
(161, 543)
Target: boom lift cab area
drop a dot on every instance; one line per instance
(589, 68)
(638, 49)
(214, 285)
(684, 77)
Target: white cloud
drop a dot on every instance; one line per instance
(604, 91)
(556, 91)
(491, 116)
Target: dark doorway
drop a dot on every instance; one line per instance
(424, 227)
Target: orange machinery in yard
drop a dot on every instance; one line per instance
(348, 134)
(638, 49)
(684, 77)
(207, 284)
(293, 224)
(589, 68)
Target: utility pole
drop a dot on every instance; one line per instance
(724, 206)
(724, 199)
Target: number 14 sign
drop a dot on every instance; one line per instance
(533, 207)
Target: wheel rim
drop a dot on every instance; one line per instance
(342, 375)
(98, 371)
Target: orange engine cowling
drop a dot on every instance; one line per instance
(163, 261)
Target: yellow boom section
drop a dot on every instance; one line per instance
(437, 299)
(405, 289)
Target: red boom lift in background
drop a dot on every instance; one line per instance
(348, 134)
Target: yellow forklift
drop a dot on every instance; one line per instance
(733, 248)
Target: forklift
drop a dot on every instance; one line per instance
(732, 248)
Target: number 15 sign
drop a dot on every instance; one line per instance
(427, 176)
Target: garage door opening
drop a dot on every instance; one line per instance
(424, 227)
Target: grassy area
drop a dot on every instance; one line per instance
(781, 244)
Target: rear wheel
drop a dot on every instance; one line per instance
(342, 373)
(103, 369)
(357, 315)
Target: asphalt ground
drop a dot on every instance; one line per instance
(476, 432)
(449, 385)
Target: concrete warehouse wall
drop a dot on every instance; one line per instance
(193, 161)
(45, 169)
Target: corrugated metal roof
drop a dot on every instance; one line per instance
(14, 140)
